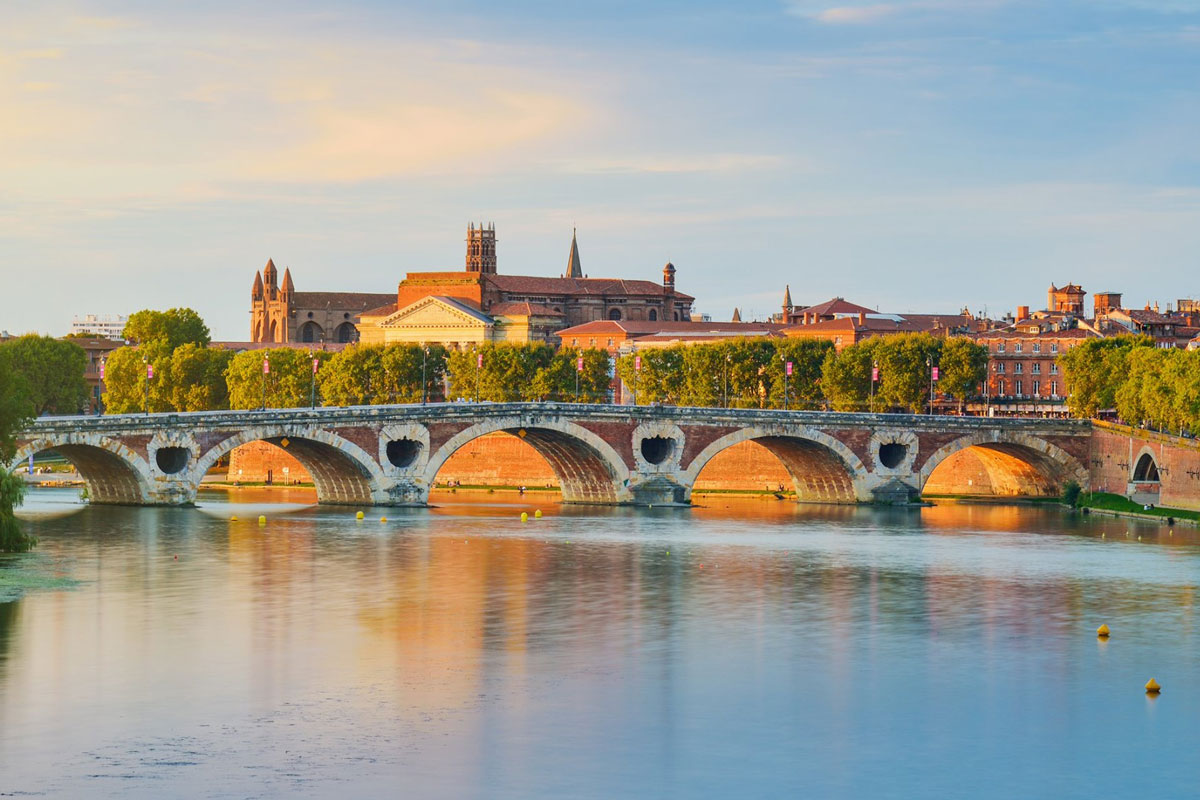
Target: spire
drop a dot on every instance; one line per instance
(737, 315)
(574, 269)
(288, 287)
(669, 276)
(256, 291)
(270, 275)
(787, 301)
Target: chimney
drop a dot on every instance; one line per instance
(1022, 312)
(862, 319)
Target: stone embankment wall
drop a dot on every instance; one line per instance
(1116, 450)
(500, 459)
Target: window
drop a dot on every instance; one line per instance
(1018, 348)
(1053, 347)
(1037, 388)
(1018, 388)
(614, 314)
(1054, 388)
(1018, 367)
(1000, 387)
(610, 341)
(591, 342)
(1053, 367)
(1037, 368)
(654, 315)
(1037, 347)
(574, 343)
(1000, 347)
(1000, 367)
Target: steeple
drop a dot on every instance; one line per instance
(669, 276)
(289, 288)
(574, 269)
(737, 315)
(787, 302)
(256, 291)
(481, 248)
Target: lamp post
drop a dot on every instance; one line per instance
(874, 377)
(478, 368)
(578, 372)
(146, 386)
(100, 399)
(265, 372)
(725, 394)
(787, 378)
(312, 389)
(637, 372)
(424, 385)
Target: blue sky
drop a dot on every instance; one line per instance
(915, 155)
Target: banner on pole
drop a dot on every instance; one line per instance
(149, 371)
(479, 362)
(935, 373)
(266, 366)
(315, 362)
(874, 374)
(637, 363)
(579, 364)
(789, 368)
(101, 370)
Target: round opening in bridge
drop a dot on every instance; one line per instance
(402, 453)
(171, 459)
(892, 454)
(657, 449)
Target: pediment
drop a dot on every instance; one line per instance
(433, 311)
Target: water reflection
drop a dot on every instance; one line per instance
(745, 648)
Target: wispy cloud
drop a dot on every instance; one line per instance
(678, 164)
(854, 15)
(868, 13)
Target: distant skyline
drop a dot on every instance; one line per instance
(918, 155)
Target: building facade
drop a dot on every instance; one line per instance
(107, 326)
(279, 314)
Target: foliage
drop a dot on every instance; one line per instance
(374, 374)
(12, 538)
(1071, 493)
(15, 408)
(1115, 502)
(166, 330)
(1094, 371)
(533, 371)
(289, 384)
(962, 368)
(195, 378)
(804, 390)
(660, 380)
(846, 377)
(52, 370)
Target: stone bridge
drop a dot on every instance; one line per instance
(640, 455)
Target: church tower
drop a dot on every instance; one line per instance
(481, 248)
(574, 269)
(787, 304)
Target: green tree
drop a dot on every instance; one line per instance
(962, 369)
(846, 377)
(804, 389)
(167, 329)
(506, 373)
(15, 408)
(128, 390)
(557, 381)
(705, 377)
(287, 384)
(1094, 370)
(53, 373)
(196, 378)
(661, 378)
(904, 364)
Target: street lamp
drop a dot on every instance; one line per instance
(266, 370)
(100, 399)
(312, 390)
(424, 385)
(787, 377)
(146, 389)
(725, 396)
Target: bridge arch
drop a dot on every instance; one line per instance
(113, 473)
(342, 472)
(822, 469)
(588, 469)
(1000, 463)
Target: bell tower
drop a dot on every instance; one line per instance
(481, 248)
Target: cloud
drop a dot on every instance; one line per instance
(856, 15)
(864, 14)
(676, 164)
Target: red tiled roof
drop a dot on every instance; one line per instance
(341, 301)
(837, 305)
(524, 310)
(638, 328)
(1009, 333)
(874, 324)
(382, 311)
(531, 284)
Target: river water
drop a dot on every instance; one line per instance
(746, 649)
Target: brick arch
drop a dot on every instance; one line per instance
(113, 473)
(588, 468)
(1001, 463)
(823, 470)
(342, 472)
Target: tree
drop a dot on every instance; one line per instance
(904, 365)
(167, 329)
(963, 367)
(1094, 370)
(127, 387)
(804, 389)
(846, 376)
(52, 370)
(288, 384)
(196, 378)
(15, 408)
(558, 380)
(660, 380)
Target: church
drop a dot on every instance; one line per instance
(280, 314)
(479, 304)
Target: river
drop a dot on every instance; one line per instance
(748, 648)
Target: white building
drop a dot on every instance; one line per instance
(108, 326)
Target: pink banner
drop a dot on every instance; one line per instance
(149, 371)
(935, 373)
(579, 363)
(874, 373)
(637, 363)
(315, 362)
(479, 361)
(789, 368)
(266, 367)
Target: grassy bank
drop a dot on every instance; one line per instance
(1103, 501)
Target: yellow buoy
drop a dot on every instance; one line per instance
(383, 519)
(359, 515)
(1102, 631)
(537, 514)
(1152, 687)
(262, 520)
(233, 518)
(524, 517)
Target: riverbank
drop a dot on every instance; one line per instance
(1115, 505)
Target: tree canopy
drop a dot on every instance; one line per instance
(15, 410)
(53, 373)
(166, 329)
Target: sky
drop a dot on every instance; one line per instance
(916, 155)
